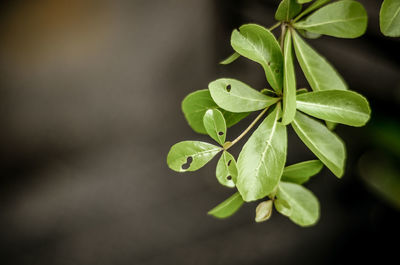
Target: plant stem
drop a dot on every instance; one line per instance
(274, 26)
(247, 129)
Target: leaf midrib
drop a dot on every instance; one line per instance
(310, 141)
(296, 43)
(332, 107)
(392, 19)
(304, 25)
(273, 130)
(265, 65)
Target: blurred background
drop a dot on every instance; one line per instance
(90, 96)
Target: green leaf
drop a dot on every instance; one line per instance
(190, 155)
(301, 172)
(342, 19)
(263, 211)
(268, 92)
(318, 72)
(303, 1)
(331, 125)
(389, 18)
(308, 35)
(259, 44)
(195, 105)
(227, 171)
(346, 107)
(235, 96)
(262, 158)
(317, 4)
(283, 207)
(227, 207)
(326, 145)
(287, 9)
(215, 125)
(230, 59)
(301, 91)
(289, 82)
(304, 205)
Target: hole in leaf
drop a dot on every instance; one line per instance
(228, 177)
(187, 164)
(220, 133)
(229, 162)
(228, 88)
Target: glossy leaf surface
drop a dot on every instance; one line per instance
(259, 44)
(262, 158)
(289, 82)
(230, 59)
(301, 172)
(346, 107)
(235, 96)
(227, 207)
(227, 171)
(326, 145)
(190, 155)
(195, 105)
(304, 205)
(287, 9)
(214, 123)
(318, 72)
(343, 19)
(389, 18)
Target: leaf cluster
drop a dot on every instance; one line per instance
(260, 171)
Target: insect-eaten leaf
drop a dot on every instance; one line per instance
(287, 9)
(289, 82)
(342, 19)
(263, 211)
(345, 107)
(215, 125)
(301, 172)
(259, 44)
(227, 171)
(235, 96)
(326, 145)
(304, 206)
(195, 105)
(191, 155)
(317, 70)
(227, 207)
(389, 18)
(262, 158)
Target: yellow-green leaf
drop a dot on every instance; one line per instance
(235, 96)
(227, 207)
(262, 158)
(259, 44)
(289, 82)
(227, 171)
(326, 145)
(342, 19)
(191, 155)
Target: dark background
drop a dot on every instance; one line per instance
(90, 96)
